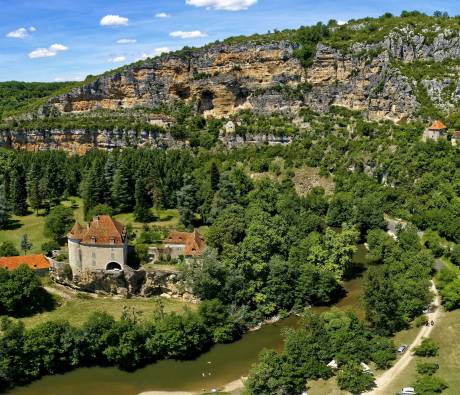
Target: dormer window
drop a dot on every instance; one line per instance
(112, 240)
(93, 239)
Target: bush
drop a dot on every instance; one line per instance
(428, 348)
(8, 249)
(421, 321)
(428, 385)
(427, 368)
(49, 247)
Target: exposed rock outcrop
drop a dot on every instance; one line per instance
(265, 78)
(167, 283)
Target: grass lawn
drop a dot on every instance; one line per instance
(76, 311)
(445, 334)
(33, 225)
(165, 218)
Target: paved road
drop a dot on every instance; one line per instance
(387, 378)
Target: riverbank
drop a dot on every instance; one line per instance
(235, 387)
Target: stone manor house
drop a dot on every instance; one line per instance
(101, 246)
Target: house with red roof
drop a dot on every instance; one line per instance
(436, 131)
(101, 246)
(39, 263)
(179, 244)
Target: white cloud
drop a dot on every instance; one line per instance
(162, 15)
(58, 48)
(340, 23)
(72, 78)
(114, 20)
(19, 33)
(161, 50)
(32, 29)
(126, 41)
(47, 52)
(226, 5)
(117, 59)
(193, 34)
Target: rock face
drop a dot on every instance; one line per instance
(221, 79)
(81, 141)
(166, 283)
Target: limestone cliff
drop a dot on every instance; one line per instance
(226, 78)
(265, 78)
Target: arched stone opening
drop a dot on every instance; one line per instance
(113, 266)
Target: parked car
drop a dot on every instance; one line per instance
(408, 391)
(402, 348)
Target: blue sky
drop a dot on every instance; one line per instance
(56, 40)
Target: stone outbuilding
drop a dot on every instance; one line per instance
(436, 131)
(179, 245)
(456, 139)
(101, 246)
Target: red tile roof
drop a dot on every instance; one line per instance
(438, 125)
(101, 230)
(35, 262)
(193, 242)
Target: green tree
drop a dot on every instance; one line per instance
(273, 375)
(450, 295)
(187, 201)
(428, 348)
(93, 186)
(33, 187)
(141, 210)
(427, 368)
(19, 191)
(214, 177)
(5, 210)
(8, 249)
(122, 194)
(429, 385)
(58, 222)
(354, 379)
(21, 293)
(381, 300)
(26, 245)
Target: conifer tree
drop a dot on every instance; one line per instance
(33, 186)
(5, 213)
(93, 187)
(141, 210)
(122, 193)
(109, 172)
(187, 201)
(19, 191)
(26, 245)
(215, 177)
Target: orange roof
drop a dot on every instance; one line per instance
(438, 125)
(193, 242)
(101, 230)
(35, 262)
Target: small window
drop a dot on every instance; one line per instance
(93, 255)
(94, 262)
(112, 255)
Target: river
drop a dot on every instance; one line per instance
(222, 364)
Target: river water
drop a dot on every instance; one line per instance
(222, 364)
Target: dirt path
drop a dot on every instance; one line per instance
(386, 378)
